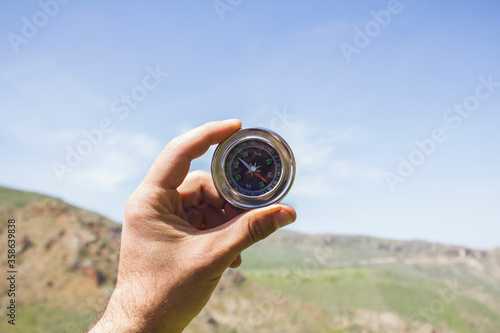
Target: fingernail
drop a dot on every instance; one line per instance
(283, 217)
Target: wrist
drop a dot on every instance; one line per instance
(116, 319)
(105, 325)
(127, 315)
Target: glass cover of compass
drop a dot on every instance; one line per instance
(253, 168)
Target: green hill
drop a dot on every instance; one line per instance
(21, 198)
(449, 287)
(290, 282)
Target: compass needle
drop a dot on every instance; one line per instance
(258, 175)
(246, 164)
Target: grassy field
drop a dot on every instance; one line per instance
(43, 319)
(405, 291)
(369, 274)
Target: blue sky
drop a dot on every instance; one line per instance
(352, 119)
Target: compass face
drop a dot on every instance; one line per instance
(253, 168)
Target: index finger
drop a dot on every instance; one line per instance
(172, 165)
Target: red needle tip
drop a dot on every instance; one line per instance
(258, 175)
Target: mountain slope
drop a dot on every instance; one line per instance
(422, 284)
(67, 261)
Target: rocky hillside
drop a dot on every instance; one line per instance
(67, 261)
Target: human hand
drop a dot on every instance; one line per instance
(168, 267)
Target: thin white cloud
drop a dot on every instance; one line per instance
(349, 134)
(349, 171)
(471, 188)
(182, 128)
(119, 159)
(321, 173)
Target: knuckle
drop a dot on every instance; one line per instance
(256, 230)
(174, 143)
(199, 175)
(139, 204)
(133, 209)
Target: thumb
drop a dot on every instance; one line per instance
(255, 225)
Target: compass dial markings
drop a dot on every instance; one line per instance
(253, 167)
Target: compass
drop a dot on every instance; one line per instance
(253, 168)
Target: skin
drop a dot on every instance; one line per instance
(169, 268)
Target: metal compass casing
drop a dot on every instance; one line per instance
(253, 168)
